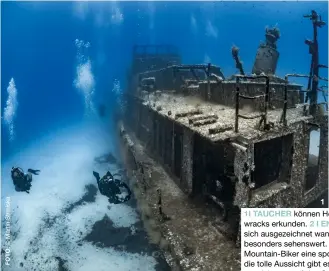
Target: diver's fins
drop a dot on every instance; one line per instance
(33, 171)
(96, 174)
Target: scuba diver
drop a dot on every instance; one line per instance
(110, 187)
(22, 181)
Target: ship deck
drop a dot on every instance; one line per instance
(178, 104)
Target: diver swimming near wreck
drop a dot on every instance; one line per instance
(110, 187)
(22, 181)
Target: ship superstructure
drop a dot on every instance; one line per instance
(241, 141)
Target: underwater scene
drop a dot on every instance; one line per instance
(134, 132)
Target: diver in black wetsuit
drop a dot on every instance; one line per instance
(22, 181)
(110, 187)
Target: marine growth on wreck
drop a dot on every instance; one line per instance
(232, 141)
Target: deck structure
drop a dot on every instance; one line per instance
(242, 141)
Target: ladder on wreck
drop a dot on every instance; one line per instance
(238, 96)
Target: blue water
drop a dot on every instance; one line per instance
(65, 58)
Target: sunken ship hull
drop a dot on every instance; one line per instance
(199, 147)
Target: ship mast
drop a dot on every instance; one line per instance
(314, 69)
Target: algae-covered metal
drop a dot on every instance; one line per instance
(239, 141)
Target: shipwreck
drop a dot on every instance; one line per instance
(200, 146)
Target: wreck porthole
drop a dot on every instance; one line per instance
(313, 160)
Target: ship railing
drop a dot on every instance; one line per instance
(238, 96)
(285, 98)
(323, 66)
(207, 68)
